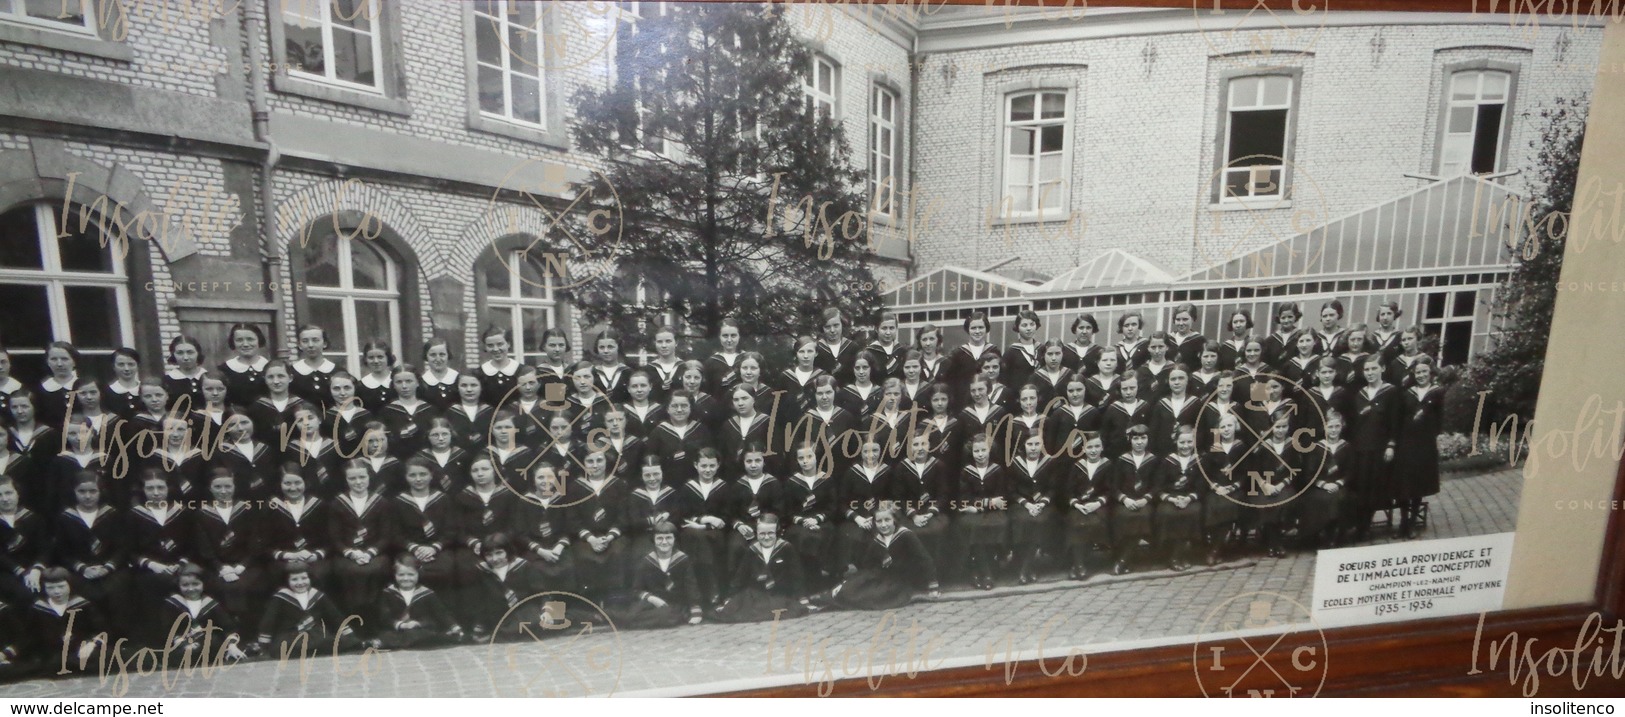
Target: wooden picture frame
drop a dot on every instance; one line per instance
(1435, 657)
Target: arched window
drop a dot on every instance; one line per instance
(352, 289)
(518, 290)
(62, 278)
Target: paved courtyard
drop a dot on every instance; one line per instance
(963, 629)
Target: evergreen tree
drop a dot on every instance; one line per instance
(715, 159)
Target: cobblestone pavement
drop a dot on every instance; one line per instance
(1011, 624)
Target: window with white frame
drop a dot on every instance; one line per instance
(334, 41)
(883, 146)
(1257, 123)
(633, 74)
(1448, 317)
(352, 291)
(508, 49)
(519, 297)
(1035, 149)
(821, 84)
(67, 277)
(1474, 122)
(75, 16)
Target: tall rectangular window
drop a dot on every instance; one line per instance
(637, 68)
(1474, 122)
(821, 83)
(509, 52)
(1035, 149)
(883, 151)
(1448, 317)
(1257, 128)
(334, 41)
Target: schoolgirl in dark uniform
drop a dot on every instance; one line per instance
(967, 361)
(1350, 373)
(980, 416)
(1101, 388)
(1066, 423)
(704, 408)
(1232, 350)
(928, 490)
(553, 369)
(75, 622)
(1299, 369)
(1224, 467)
(747, 426)
(511, 459)
(1270, 481)
(375, 388)
(865, 486)
(861, 397)
(678, 438)
(598, 517)
(483, 507)
(1252, 370)
(1205, 377)
(200, 624)
(563, 450)
(316, 457)
(797, 381)
(913, 384)
(92, 539)
(78, 456)
(184, 381)
(752, 369)
(272, 414)
(122, 395)
(1278, 346)
(1051, 376)
(541, 527)
(889, 425)
(1331, 338)
(755, 494)
(1180, 487)
(1258, 416)
(17, 653)
(310, 372)
(178, 461)
(424, 525)
(947, 435)
(609, 374)
(650, 504)
(587, 404)
(664, 589)
(210, 417)
(254, 463)
(1416, 453)
(9, 385)
(300, 614)
(892, 566)
(407, 418)
(500, 372)
(706, 503)
(642, 409)
(887, 349)
(835, 351)
(1184, 344)
(1327, 503)
(768, 583)
(932, 359)
(1153, 373)
(1083, 354)
(25, 538)
(663, 370)
(501, 581)
(1124, 413)
(450, 462)
(1131, 349)
(411, 614)
(87, 404)
(1026, 419)
(1135, 484)
(809, 502)
(722, 367)
(149, 418)
(245, 382)
(824, 427)
(471, 417)
(1410, 352)
(54, 391)
(160, 536)
(625, 451)
(1374, 430)
(229, 544)
(1323, 398)
(1021, 356)
(1176, 409)
(1384, 339)
(344, 420)
(295, 529)
(983, 498)
(438, 383)
(360, 532)
(1033, 487)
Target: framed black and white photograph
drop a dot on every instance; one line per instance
(500, 348)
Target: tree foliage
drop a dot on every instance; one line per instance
(1512, 368)
(712, 157)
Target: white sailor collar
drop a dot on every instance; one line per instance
(118, 388)
(236, 364)
(12, 385)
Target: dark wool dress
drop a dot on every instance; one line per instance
(891, 569)
(1416, 457)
